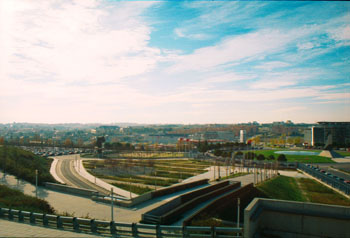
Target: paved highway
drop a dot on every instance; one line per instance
(335, 169)
(65, 170)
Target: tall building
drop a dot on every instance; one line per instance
(329, 133)
(242, 136)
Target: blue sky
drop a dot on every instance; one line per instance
(174, 62)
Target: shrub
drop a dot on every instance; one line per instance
(282, 158)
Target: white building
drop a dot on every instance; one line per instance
(242, 136)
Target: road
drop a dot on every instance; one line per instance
(66, 172)
(335, 169)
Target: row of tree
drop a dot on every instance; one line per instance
(251, 156)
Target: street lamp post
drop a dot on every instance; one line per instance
(36, 183)
(238, 210)
(112, 217)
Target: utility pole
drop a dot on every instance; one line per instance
(130, 188)
(112, 217)
(254, 174)
(238, 210)
(36, 183)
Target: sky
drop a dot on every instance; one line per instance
(174, 61)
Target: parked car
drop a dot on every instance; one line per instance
(347, 181)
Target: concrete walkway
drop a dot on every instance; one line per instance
(53, 171)
(17, 229)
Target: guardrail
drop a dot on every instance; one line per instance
(341, 186)
(111, 228)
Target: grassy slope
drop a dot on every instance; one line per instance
(14, 199)
(282, 187)
(23, 164)
(308, 190)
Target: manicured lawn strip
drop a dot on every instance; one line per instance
(296, 158)
(15, 199)
(343, 153)
(168, 174)
(319, 193)
(133, 188)
(141, 180)
(234, 176)
(177, 169)
(282, 187)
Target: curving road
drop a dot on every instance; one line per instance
(65, 170)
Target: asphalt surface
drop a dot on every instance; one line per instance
(335, 169)
(66, 171)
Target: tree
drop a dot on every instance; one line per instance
(238, 155)
(282, 158)
(68, 142)
(217, 152)
(261, 157)
(271, 157)
(249, 155)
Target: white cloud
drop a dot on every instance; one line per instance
(272, 65)
(290, 109)
(179, 33)
(305, 46)
(70, 43)
(341, 34)
(237, 48)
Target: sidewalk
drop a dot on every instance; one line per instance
(53, 171)
(17, 229)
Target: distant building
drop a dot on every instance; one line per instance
(242, 136)
(209, 135)
(328, 133)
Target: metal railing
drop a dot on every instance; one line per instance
(339, 185)
(117, 229)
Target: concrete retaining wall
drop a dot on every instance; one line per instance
(153, 194)
(246, 194)
(175, 214)
(167, 211)
(71, 190)
(178, 187)
(279, 218)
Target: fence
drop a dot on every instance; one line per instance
(313, 171)
(117, 229)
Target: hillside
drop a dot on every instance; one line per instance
(23, 164)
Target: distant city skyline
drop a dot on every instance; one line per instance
(183, 62)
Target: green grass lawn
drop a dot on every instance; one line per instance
(133, 188)
(11, 198)
(297, 158)
(343, 153)
(302, 190)
(282, 187)
(233, 176)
